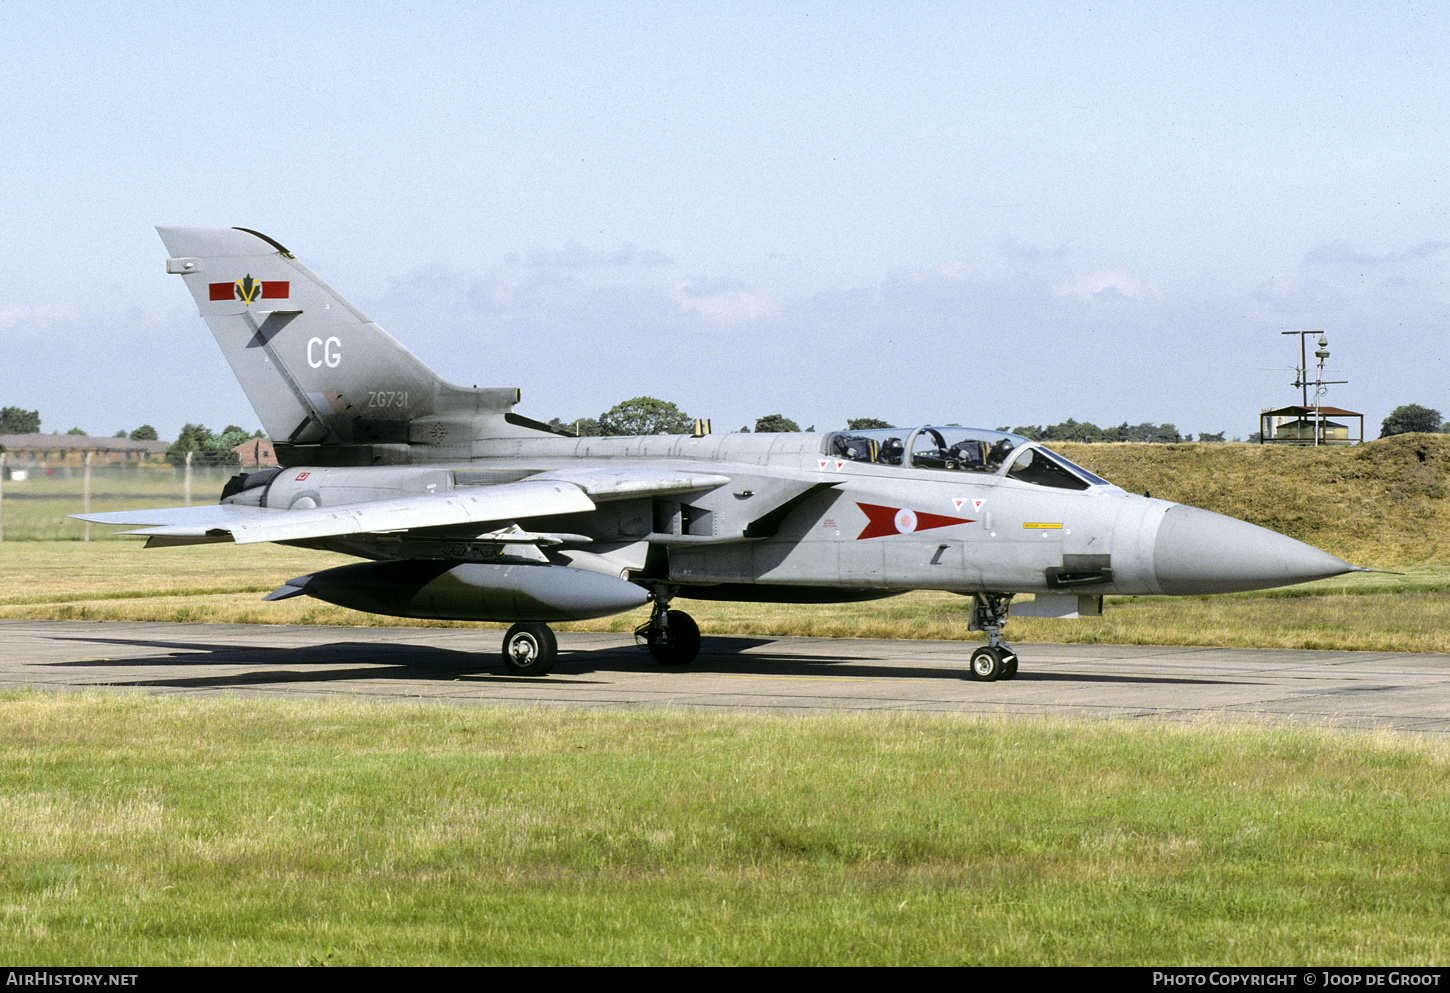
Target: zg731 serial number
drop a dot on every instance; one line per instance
(388, 398)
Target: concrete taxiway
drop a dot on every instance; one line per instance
(1409, 693)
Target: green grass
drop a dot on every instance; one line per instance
(200, 831)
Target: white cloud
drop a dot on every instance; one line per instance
(1106, 284)
(724, 301)
(22, 318)
(1343, 253)
(576, 256)
(942, 274)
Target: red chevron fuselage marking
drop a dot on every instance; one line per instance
(898, 520)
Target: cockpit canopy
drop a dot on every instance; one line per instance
(961, 449)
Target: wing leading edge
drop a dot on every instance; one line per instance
(246, 525)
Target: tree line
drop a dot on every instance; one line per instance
(210, 447)
(207, 447)
(17, 420)
(649, 415)
(1086, 431)
(1412, 418)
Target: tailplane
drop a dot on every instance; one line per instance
(330, 386)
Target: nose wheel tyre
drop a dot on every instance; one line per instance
(991, 663)
(529, 649)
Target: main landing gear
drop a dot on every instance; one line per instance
(995, 659)
(529, 649)
(672, 636)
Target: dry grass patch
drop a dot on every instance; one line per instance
(1383, 504)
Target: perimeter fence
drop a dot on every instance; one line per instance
(35, 501)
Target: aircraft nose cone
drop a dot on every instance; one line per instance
(1197, 551)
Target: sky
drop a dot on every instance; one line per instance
(986, 213)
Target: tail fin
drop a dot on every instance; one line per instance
(317, 371)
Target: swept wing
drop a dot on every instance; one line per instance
(565, 492)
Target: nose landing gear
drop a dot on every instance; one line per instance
(994, 660)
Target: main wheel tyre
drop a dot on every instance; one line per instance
(682, 640)
(529, 649)
(1009, 666)
(986, 664)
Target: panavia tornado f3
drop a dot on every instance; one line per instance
(466, 510)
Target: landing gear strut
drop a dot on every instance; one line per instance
(529, 649)
(672, 636)
(995, 659)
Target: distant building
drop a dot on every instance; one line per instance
(1305, 425)
(1305, 428)
(48, 451)
(256, 453)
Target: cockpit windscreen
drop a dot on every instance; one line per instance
(962, 450)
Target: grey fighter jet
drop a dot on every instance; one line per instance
(464, 509)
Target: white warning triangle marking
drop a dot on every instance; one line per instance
(957, 502)
(977, 504)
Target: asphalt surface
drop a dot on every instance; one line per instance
(1409, 693)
